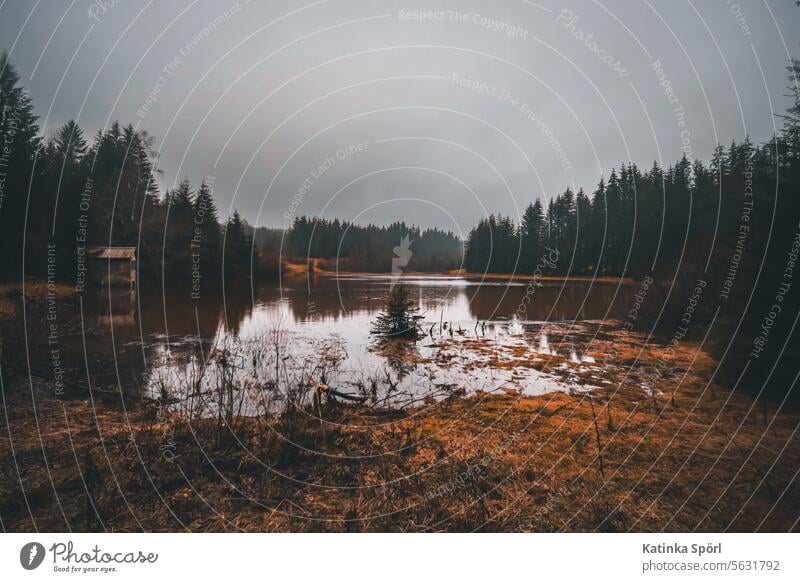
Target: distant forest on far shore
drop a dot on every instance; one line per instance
(369, 248)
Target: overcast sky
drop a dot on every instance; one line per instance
(436, 113)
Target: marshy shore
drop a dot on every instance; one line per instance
(685, 455)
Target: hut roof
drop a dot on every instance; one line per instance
(120, 253)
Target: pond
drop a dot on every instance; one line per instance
(261, 340)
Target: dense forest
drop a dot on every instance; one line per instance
(633, 224)
(372, 248)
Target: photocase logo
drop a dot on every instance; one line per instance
(31, 555)
(402, 255)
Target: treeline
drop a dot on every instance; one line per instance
(62, 195)
(373, 248)
(617, 230)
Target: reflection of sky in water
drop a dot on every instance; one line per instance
(477, 319)
(458, 354)
(433, 281)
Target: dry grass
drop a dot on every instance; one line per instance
(690, 457)
(8, 308)
(35, 290)
(290, 269)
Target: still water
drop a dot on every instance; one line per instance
(318, 331)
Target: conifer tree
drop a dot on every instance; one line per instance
(399, 319)
(209, 245)
(19, 138)
(237, 248)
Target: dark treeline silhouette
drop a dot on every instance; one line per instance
(616, 231)
(372, 248)
(61, 196)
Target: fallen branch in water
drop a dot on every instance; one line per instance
(333, 392)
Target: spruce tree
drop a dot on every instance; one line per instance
(19, 138)
(400, 317)
(237, 248)
(209, 245)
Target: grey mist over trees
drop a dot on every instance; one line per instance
(62, 195)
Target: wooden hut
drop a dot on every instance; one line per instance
(114, 266)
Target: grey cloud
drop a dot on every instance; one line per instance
(519, 90)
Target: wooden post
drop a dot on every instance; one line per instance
(133, 271)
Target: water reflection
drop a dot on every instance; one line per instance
(465, 299)
(119, 338)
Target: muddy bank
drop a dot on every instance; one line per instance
(682, 456)
(34, 290)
